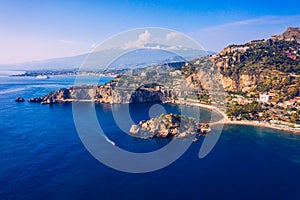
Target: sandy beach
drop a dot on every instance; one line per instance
(226, 120)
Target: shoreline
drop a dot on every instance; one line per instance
(260, 124)
(226, 120)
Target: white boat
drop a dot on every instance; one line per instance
(42, 76)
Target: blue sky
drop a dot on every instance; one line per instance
(35, 30)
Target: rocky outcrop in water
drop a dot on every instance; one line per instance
(61, 95)
(168, 126)
(19, 99)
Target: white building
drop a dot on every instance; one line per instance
(175, 73)
(242, 48)
(143, 74)
(264, 98)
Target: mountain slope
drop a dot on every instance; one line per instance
(271, 65)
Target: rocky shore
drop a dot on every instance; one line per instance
(108, 93)
(19, 99)
(169, 126)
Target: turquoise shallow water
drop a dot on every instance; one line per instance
(42, 157)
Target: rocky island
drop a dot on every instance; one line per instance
(169, 126)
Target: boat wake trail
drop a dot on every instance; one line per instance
(108, 140)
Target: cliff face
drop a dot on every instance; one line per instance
(108, 93)
(61, 95)
(259, 64)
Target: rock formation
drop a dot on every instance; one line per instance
(108, 93)
(168, 126)
(290, 34)
(19, 99)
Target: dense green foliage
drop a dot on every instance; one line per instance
(248, 111)
(278, 55)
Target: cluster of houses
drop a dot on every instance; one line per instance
(292, 103)
(263, 98)
(279, 113)
(266, 98)
(293, 54)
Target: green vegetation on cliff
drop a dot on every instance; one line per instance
(277, 55)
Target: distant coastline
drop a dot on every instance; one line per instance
(61, 73)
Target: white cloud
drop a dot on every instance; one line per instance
(172, 36)
(166, 47)
(170, 41)
(143, 39)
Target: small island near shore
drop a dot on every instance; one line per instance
(257, 83)
(169, 126)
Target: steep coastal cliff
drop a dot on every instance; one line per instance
(262, 65)
(107, 93)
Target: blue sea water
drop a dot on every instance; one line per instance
(42, 157)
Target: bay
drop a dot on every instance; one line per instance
(42, 157)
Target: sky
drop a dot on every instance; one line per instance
(37, 30)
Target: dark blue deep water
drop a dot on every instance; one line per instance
(42, 157)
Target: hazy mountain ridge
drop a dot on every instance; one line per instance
(153, 54)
